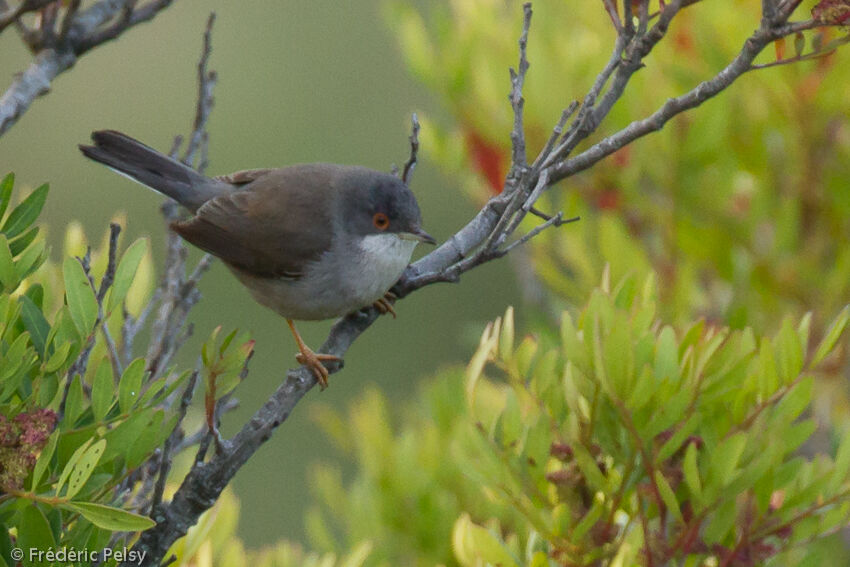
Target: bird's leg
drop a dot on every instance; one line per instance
(312, 360)
(385, 304)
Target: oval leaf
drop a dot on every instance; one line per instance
(131, 384)
(84, 467)
(126, 272)
(81, 300)
(109, 518)
(25, 214)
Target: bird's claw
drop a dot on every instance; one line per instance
(385, 304)
(313, 361)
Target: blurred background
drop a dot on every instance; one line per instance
(298, 82)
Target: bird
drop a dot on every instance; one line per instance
(309, 241)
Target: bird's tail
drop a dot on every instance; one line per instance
(153, 169)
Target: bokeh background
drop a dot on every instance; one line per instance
(298, 82)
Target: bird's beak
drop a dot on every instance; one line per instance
(419, 235)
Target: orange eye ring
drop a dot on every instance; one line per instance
(381, 221)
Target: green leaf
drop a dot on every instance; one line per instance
(82, 302)
(506, 336)
(84, 467)
(477, 542)
(643, 390)
(58, 358)
(5, 547)
(795, 401)
(588, 467)
(720, 522)
(725, 458)
(590, 518)
(691, 471)
(767, 374)
(680, 436)
(6, 192)
(109, 518)
(150, 437)
(35, 323)
(34, 533)
(832, 335)
(668, 496)
(44, 460)
(122, 437)
(208, 348)
(126, 272)
(20, 243)
(69, 466)
(790, 352)
(131, 384)
(30, 259)
(666, 356)
(8, 274)
(842, 464)
(804, 329)
(25, 213)
(74, 402)
(101, 391)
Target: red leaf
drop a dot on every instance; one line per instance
(488, 159)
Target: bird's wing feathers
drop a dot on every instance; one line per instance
(271, 228)
(243, 177)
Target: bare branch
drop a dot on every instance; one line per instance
(407, 172)
(518, 159)
(693, 98)
(206, 83)
(80, 31)
(173, 439)
(556, 220)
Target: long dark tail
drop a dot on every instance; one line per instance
(153, 169)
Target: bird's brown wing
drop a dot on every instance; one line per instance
(243, 177)
(273, 227)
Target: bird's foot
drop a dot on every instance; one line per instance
(313, 361)
(385, 304)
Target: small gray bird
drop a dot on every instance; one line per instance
(310, 242)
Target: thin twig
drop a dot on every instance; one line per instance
(109, 275)
(407, 173)
(206, 84)
(171, 441)
(518, 157)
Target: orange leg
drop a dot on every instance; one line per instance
(310, 359)
(385, 304)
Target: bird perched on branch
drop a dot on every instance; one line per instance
(312, 241)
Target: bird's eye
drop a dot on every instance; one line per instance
(381, 221)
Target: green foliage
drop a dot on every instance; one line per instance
(73, 423)
(212, 541)
(615, 437)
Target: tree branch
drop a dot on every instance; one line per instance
(80, 31)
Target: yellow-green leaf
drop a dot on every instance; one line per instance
(126, 272)
(109, 518)
(81, 300)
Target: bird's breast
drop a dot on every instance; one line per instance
(352, 274)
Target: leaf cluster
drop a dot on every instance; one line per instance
(617, 440)
(76, 422)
